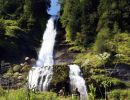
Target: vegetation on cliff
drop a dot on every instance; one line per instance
(22, 23)
(97, 33)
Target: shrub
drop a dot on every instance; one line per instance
(92, 59)
(76, 49)
(2, 92)
(61, 72)
(119, 95)
(111, 82)
(102, 36)
(23, 94)
(120, 45)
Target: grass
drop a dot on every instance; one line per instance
(23, 94)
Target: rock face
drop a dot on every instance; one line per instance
(10, 83)
(60, 78)
(4, 67)
(63, 57)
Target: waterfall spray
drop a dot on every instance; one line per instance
(41, 74)
(77, 81)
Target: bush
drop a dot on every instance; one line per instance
(102, 36)
(119, 95)
(61, 72)
(120, 45)
(76, 49)
(2, 92)
(102, 80)
(92, 59)
(23, 94)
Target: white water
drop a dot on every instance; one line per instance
(77, 81)
(41, 74)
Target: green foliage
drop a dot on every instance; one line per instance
(119, 44)
(94, 67)
(95, 21)
(8, 75)
(10, 70)
(23, 94)
(109, 82)
(76, 18)
(92, 59)
(20, 21)
(61, 72)
(102, 36)
(92, 93)
(76, 49)
(2, 92)
(119, 94)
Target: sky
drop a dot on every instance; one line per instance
(55, 7)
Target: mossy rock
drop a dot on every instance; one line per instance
(10, 70)
(16, 68)
(7, 75)
(61, 72)
(16, 74)
(60, 78)
(25, 68)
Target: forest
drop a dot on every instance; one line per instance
(94, 34)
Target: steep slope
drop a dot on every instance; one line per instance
(22, 23)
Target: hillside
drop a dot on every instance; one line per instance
(94, 34)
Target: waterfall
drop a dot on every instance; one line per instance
(77, 81)
(41, 74)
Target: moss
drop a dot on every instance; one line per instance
(8, 75)
(25, 68)
(76, 49)
(61, 72)
(16, 68)
(16, 74)
(10, 70)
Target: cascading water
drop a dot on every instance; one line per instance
(77, 81)
(41, 74)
